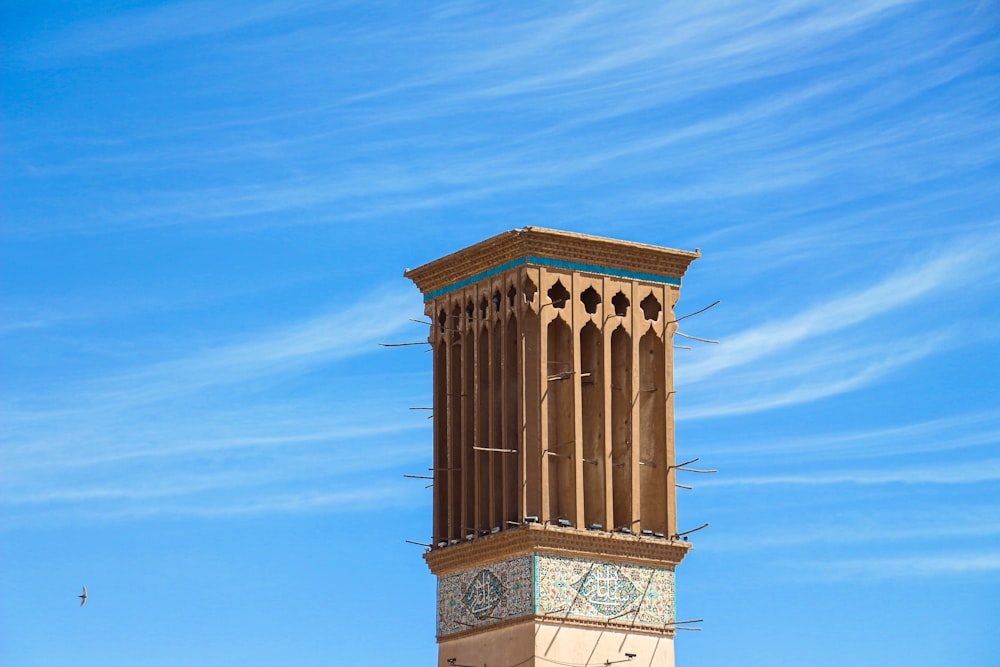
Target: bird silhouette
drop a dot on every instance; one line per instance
(83, 596)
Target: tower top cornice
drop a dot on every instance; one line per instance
(530, 538)
(536, 245)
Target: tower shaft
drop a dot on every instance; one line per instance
(554, 491)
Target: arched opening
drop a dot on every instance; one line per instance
(531, 437)
(592, 416)
(483, 473)
(621, 428)
(468, 399)
(590, 300)
(650, 308)
(558, 295)
(653, 497)
(621, 304)
(496, 426)
(454, 413)
(512, 422)
(442, 477)
(561, 424)
(529, 289)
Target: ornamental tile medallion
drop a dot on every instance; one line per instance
(484, 595)
(607, 589)
(636, 595)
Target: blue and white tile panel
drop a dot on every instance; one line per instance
(558, 587)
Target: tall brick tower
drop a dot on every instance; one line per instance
(554, 492)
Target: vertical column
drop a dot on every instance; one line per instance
(482, 410)
(592, 427)
(634, 317)
(670, 298)
(622, 413)
(531, 396)
(496, 406)
(574, 311)
(468, 472)
(440, 416)
(541, 371)
(606, 332)
(559, 403)
(652, 409)
(455, 422)
(512, 390)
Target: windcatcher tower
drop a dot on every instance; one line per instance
(554, 493)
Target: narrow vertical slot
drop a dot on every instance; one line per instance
(652, 434)
(621, 427)
(562, 478)
(468, 472)
(496, 427)
(531, 438)
(592, 409)
(455, 426)
(483, 521)
(512, 422)
(441, 474)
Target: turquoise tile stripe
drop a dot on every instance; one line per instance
(556, 263)
(476, 278)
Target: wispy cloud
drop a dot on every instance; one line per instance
(323, 339)
(813, 375)
(604, 64)
(288, 432)
(974, 472)
(884, 527)
(167, 437)
(333, 468)
(146, 27)
(940, 272)
(903, 567)
(836, 346)
(347, 501)
(951, 433)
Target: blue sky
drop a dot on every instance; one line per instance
(206, 212)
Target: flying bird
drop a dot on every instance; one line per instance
(83, 596)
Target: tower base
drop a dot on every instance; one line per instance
(537, 595)
(545, 644)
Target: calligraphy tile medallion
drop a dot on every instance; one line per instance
(607, 589)
(590, 589)
(484, 595)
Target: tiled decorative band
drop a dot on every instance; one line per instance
(560, 588)
(556, 263)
